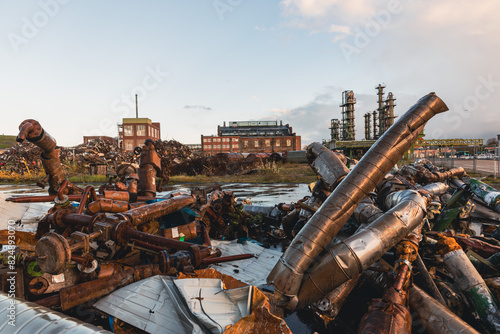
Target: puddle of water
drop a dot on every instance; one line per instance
(259, 194)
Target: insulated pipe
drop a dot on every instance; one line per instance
(367, 212)
(434, 318)
(357, 253)
(488, 194)
(470, 282)
(288, 273)
(32, 131)
(327, 165)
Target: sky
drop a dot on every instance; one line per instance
(75, 66)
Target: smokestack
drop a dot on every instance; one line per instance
(136, 107)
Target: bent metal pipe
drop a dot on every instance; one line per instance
(288, 274)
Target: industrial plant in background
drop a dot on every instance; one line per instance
(383, 118)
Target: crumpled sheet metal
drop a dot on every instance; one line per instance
(252, 271)
(156, 306)
(355, 254)
(33, 318)
(288, 273)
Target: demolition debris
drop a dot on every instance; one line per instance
(374, 248)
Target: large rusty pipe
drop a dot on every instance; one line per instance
(51, 198)
(156, 210)
(89, 191)
(357, 253)
(32, 131)
(288, 273)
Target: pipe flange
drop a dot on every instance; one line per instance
(38, 286)
(61, 202)
(401, 262)
(164, 262)
(90, 269)
(195, 252)
(57, 218)
(98, 217)
(118, 232)
(53, 253)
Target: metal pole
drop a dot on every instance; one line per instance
(474, 161)
(136, 107)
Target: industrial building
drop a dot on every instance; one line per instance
(134, 131)
(251, 137)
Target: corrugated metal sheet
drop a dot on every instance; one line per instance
(27, 213)
(148, 305)
(251, 271)
(30, 318)
(161, 304)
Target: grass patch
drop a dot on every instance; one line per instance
(7, 141)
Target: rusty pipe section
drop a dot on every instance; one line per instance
(149, 166)
(288, 273)
(33, 132)
(357, 253)
(156, 210)
(433, 317)
(391, 314)
(110, 205)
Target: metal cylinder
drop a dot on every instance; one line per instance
(434, 318)
(351, 257)
(29, 317)
(470, 282)
(488, 194)
(288, 273)
(327, 165)
(156, 210)
(32, 131)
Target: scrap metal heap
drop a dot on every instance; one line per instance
(374, 249)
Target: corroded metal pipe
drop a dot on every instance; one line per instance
(357, 253)
(32, 131)
(288, 273)
(156, 210)
(470, 282)
(487, 193)
(435, 318)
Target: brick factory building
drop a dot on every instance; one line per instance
(251, 137)
(86, 139)
(134, 131)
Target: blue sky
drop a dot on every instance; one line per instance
(72, 65)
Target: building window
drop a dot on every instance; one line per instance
(128, 130)
(225, 140)
(208, 147)
(235, 140)
(216, 140)
(256, 143)
(129, 145)
(268, 142)
(141, 130)
(207, 140)
(216, 147)
(245, 143)
(288, 142)
(278, 142)
(225, 146)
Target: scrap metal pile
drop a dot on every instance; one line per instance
(375, 249)
(225, 163)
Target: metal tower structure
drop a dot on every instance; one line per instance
(348, 129)
(389, 106)
(368, 126)
(375, 134)
(381, 110)
(335, 130)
